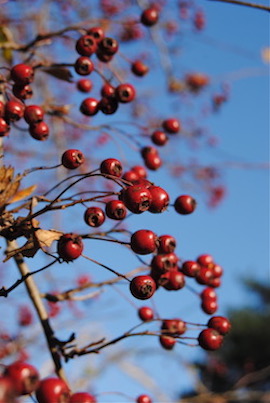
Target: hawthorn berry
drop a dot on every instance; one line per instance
(149, 16)
(167, 244)
(217, 270)
(111, 166)
(89, 106)
(22, 74)
(13, 111)
(220, 324)
(167, 342)
(205, 260)
(82, 397)
(140, 171)
(83, 66)
(69, 247)
(162, 263)
(84, 85)
(108, 105)
(24, 376)
(210, 339)
(108, 46)
(4, 127)
(208, 293)
(137, 198)
(116, 210)
(214, 282)
(171, 126)
(7, 390)
(172, 280)
(190, 268)
(94, 216)
(209, 306)
(146, 313)
(185, 204)
(107, 90)
(152, 161)
(2, 109)
(175, 327)
(86, 45)
(39, 131)
(204, 275)
(160, 199)
(33, 114)
(125, 93)
(53, 390)
(139, 68)
(142, 287)
(72, 159)
(159, 138)
(22, 92)
(143, 399)
(130, 176)
(97, 33)
(143, 242)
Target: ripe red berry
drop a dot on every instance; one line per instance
(167, 244)
(140, 171)
(108, 46)
(4, 127)
(2, 109)
(13, 111)
(160, 199)
(172, 280)
(139, 68)
(53, 390)
(143, 399)
(190, 268)
(210, 339)
(89, 106)
(204, 275)
(84, 66)
(22, 74)
(33, 114)
(151, 158)
(205, 260)
(146, 313)
(107, 90)
(149, 16)
(167, 342)
(82, 397)
(159, 138)
(24, 376)
(84, 85)
(214, 282)
(70, 247)
(131, 176)
(125, 93)
(94, 216)
(137, 198)
(97, 33)
(185, 204)
(175, 327)
(7, 390)
(111, 166)
(217, 270)
(208, 293)
(72, 159)
(142, 287)
(86, 45)
(39, 131)
(143, 242)
(116, 210)
(220, 324)
(108, 105)
(103, 57)
(209, 306)
(171, 126)
(22, 91)
(162, 263)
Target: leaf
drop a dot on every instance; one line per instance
(46, 237)
(6, 36)
(266, 55)
(62, 73)
(8, 184)
(22, 194)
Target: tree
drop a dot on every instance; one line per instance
(55, 55)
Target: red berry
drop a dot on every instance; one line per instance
(208, 293)
(140, 171)
(108, 106)
(199, 20)
(220, 324)
(24, 376)
(167, 244)
(175, 327)
(217, 270)
(84, 85)
(185, 204)
(164, 262)
(146, 313)
(125, 93)
(86, 45)
(116, 210)
(142, 287)
(70, 247)
(172, 280)
(159, 138)
(14, 111)
(152, 161)
(107, 90)
(130, 176)
(139, 68)
(209, 306)
(108, 46)
(167, 342)
(149, 16)
(190, 268)
(89, 106)
(143, 242)
(22, 91)
(171, 126)
(72, 159)
(82, 397)
(204, 275)
(33, 114)
(22, 74)
(2, 109)
(4, 127)
(97, 33)
(205, 260)
(39, 131)
(143, 399)
(53, 390)
(160, 199)
(214, 282)
(7, 390)
(111, 166)
(103, 57)
(84, 66)
(210, 339)
(94, 216)
(137, 198)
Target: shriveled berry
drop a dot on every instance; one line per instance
(94, 216)
(143, 242)
(116, 210)
(70, 247)
(72, 159)
(185, 204)
(146, 313)
(111, 166)
(142, 287)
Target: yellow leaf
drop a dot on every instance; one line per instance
(22, 194)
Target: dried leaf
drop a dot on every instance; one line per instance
(46, 237)
(22, 194)
(8, 184)
(6, 36)
(62, 73)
